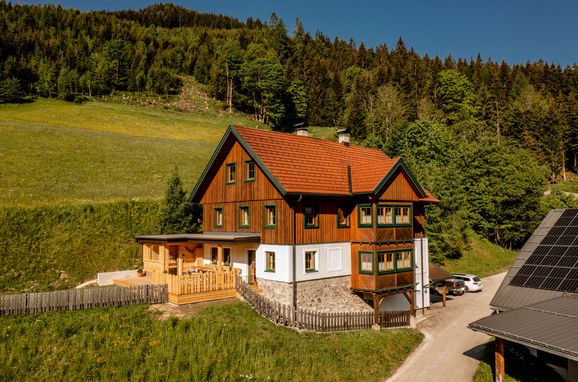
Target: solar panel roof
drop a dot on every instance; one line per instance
(553, 264)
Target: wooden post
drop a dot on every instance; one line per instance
(375, 309)
(163, 257)
(411, 302)
(500, 364)
(444, 293)
(219, 257)
(179, 266)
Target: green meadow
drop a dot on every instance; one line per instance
(220, 343)
(54, 152)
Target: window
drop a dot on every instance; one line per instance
(384, 215)
(311, 217)
(244, 217)
(403, 260)
(366, 262)
(365, 218)
(218, 217)
(385, 262)
(226, 255)
(269, 261)
(270, 216)
(249, 171)
(402, 216)
(151, 252)
(342, 217)
(310, 261)
(231, 173)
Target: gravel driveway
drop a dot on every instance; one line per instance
(450, 351)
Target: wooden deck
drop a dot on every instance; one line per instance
(134, 281)
(190, 288)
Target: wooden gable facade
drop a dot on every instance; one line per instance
(303, 218)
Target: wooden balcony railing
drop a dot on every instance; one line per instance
(198, 282)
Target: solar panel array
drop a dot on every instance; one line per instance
(554, 263)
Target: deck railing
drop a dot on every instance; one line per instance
(198, 282)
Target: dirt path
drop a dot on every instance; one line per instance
(450, 351)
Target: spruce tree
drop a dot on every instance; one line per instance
(176, 214)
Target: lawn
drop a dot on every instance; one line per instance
(481, 258)
(54, 152)
(221, 343)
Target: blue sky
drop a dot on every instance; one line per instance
(512, 30)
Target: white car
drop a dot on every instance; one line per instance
(473, 282)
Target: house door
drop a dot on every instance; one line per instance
(252, 262)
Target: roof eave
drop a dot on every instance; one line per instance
(193, 195)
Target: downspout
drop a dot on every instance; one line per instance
(295, 255)
(422, 272)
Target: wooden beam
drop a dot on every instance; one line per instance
(444, 294)
(500, 361)
(219, 257)
(179, 266)
(376, 301)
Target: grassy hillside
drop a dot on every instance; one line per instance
(54, 247)
(222, 343)
(482, 258)
(54, 152)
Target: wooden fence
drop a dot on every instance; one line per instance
(318, 321)
(394, 318)
(198, 282)
(77, 299)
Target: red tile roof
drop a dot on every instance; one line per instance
(309, 165)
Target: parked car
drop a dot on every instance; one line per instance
(472, 282)
(454, 286)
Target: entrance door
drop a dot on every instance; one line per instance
(252, 262)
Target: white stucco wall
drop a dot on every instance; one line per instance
(333, 259)
(283, 263)
(239, 256)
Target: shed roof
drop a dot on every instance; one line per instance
(201, 237)
(437, 273)
(551, 326)
(305, 165)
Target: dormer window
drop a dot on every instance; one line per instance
(311, 217)
(249, 171)
(231, 173)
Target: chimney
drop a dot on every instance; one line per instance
(301, 129)
(343, 136)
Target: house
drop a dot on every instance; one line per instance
(315, 223)
(537, 303)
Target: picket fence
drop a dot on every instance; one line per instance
(315, 321)
(78, 299)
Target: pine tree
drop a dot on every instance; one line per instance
(176, 214)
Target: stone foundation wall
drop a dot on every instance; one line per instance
(323, 295)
